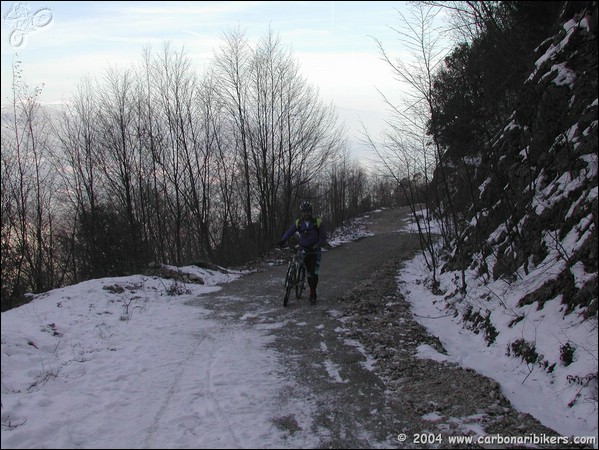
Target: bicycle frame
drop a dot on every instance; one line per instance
(296, 274)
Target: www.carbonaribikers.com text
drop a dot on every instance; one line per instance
(534, 439)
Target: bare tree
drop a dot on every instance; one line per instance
(283, 133)
(28, 187)
(181, 157)
(120, 165)
(346, 189)
(412, 144)
(293, 133)
(231, 67)
(152, 140)
(468, 19)
(226, 216)
(78, 161)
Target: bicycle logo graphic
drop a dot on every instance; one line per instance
(23, 22)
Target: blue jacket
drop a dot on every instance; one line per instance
(309, 234)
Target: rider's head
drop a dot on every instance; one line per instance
(306, 209)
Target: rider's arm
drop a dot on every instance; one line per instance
(322, 235)
(290, 232)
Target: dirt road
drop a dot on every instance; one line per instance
(356, 380)
(332, 371)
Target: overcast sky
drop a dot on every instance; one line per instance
(60, 42)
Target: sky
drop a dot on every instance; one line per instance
(60, 42)
(80, 370)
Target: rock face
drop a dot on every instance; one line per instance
(526, 205)
(536, 183)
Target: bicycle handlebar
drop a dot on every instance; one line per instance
(298, 247)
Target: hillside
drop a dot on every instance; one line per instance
(529, 246)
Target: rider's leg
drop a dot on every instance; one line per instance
(313, 264)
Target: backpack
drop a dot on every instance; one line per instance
(316, 221)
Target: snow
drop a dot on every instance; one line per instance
(88, 367)
(121, 363)
(565, 76)
(351, 231)
(425, 351)
(560, 188)
(553, 50)
(545, 395)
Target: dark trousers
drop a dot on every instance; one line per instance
(312, 261)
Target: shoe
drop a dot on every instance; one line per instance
(312, 296)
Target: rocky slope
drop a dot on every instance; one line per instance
(534, 215)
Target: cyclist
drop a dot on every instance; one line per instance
(312, 236)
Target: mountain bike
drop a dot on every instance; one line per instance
(296, 274)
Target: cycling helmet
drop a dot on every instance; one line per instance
(306, 206)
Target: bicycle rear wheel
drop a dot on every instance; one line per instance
(300, 281)
(288, 284)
